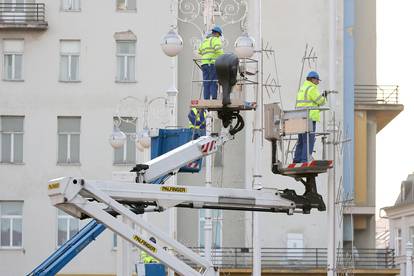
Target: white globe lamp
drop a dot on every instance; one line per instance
(172, 44)
(117, 139)
(138, 144)
(244, 46)
(145, 139)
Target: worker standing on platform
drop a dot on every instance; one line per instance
(308, 96)
(210, 49)
(197, 118)
(147, 259)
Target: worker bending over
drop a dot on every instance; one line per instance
(308, 96)
(210, 49)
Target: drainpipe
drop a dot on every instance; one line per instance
(348, 108)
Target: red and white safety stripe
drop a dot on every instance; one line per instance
(314, 163)
(208, 147)
(193, 165)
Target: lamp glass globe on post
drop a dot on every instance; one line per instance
(172, 43)
(138, 144)
(143, 139)
(244, 46)
(117, 139)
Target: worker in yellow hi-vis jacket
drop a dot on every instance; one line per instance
(210, 50)
(308, 96)
(197, 118)
(147, 259)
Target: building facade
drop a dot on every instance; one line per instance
(369, 107)
(401, 225)
(60, 87)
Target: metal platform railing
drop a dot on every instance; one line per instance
(292, 258)
(376, 94)
(22, 13)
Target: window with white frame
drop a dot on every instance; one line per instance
(11, 221)
(11, 139)
(68, 226)
(127, 153)
(217, 223)
(70, 5)
(69, 60)
(125, 61)
(68, 140)
(123, 5)
(13, 59)
(411, 233)
(114, 241)
(398, 241)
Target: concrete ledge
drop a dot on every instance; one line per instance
(284, 272)
(314, 272)
(41, 26)
(359, 210)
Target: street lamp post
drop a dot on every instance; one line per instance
(142, 137)
(256, 27)
(142, 142)
(208, 10)
(172, 45)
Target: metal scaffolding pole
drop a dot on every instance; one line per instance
(331, 147)
(208, 223)
(257, 138)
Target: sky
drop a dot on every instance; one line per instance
(395, 65)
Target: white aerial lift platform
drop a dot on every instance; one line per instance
(103, 200)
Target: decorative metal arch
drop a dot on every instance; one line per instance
(228, 11)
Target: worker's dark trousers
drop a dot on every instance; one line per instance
(209, 81)
(301, 146)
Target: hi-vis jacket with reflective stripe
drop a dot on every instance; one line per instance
(309, 95)
(197, 118)
(210, 49)
(147, 259)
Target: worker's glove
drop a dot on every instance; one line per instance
(325, 93)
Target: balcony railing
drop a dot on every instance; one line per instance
(15, 15)
(295, 258)
(376, 94)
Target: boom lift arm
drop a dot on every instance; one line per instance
(146, 173)
(102, 199)
(58, 259)
(178, 157)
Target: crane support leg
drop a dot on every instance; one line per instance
(310, 199)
